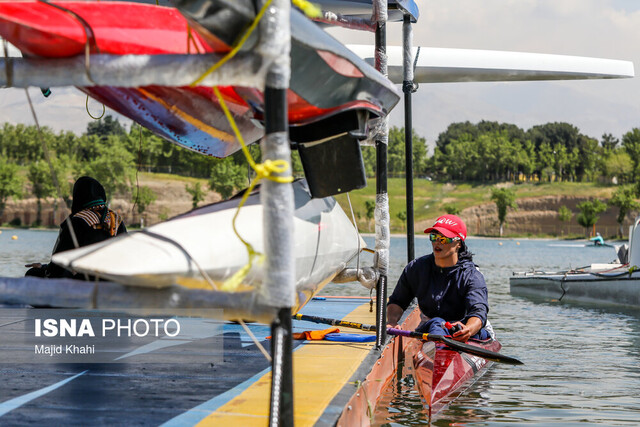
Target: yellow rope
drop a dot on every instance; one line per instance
(191, 40)
(263, 170)
(237, 47)
(86, 104)
(311, 10)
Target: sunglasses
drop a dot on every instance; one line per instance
(442, 239)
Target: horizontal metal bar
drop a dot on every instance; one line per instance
(338, 20)
(244, 69)
(69, 293)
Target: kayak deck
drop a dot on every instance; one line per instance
(441, 374)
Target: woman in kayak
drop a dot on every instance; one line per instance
(92, 222)
(450, 289)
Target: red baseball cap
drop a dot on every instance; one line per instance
(449, 226)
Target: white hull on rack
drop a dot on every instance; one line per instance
(173, 252)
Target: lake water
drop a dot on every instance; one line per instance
(582, 363)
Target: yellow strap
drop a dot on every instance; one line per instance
(311, 10)
(191, 40)
(263, 170)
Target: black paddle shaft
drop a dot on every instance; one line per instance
(334, 322)
(457, 345)
(451, 343)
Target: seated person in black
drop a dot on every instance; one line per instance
(92, 222)
(450, 289)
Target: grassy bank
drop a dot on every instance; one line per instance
(430, 197)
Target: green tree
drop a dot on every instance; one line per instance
(624, 199)
(504, 198)
(114, 167)
(227, 177)
(10, 183)
(197, 194)
(609, 142)
(143, 198)
(402, 216)
(370, 206)
(631, 143)
(451, 208)
(545, 162)
(588, 215)
(396, 154)
(105, 127)
(39, 174)
(587, 158)
(617, 166)
(564, 214)
(369, 159)
(456, 131)
(526, 159)
(560, 160)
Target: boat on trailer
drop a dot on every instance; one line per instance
(615, 283)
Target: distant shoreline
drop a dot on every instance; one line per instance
(397, 235)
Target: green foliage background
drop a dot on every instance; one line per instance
(466, 163)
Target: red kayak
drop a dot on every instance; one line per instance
(192, 117)
(441, 373)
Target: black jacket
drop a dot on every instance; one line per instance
(454, 293)
(92, 222)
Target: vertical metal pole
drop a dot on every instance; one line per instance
(277, 200)
(277, 203)
(407, 88)
(281, 406)
(382, 198)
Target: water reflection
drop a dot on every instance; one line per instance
(401, 404)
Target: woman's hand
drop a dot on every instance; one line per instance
(472, 327)
(394, 313)
(33, 265)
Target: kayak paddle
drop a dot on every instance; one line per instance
(456, 345)
(334, 322)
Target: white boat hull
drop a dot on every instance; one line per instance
(445, 65)
(173, 252)
(615, 286)
(600, 283)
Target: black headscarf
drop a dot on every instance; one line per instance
(464, 253)
(87, 192)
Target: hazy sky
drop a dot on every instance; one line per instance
(598, 28)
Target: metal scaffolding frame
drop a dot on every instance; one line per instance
(273, 75)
